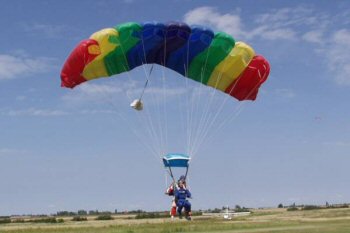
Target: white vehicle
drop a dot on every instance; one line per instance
(227, 213)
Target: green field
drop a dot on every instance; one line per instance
(260, 221)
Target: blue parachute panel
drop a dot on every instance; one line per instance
(176, 36)
(145, 51)
(199, 40)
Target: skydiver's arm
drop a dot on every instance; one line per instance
(176, 194)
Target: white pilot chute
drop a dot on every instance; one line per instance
(137, 104)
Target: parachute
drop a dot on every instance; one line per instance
(197, 53)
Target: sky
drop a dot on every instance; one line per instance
(85, 148)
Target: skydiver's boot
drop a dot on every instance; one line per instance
(180, 215)
(173, 212)
(188, 215)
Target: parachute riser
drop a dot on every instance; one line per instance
(146, 84)
(172, 176)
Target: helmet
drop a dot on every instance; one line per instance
(182, 178)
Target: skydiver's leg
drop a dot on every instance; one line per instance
(179, 209)
(187, 206)
(173, 209)
(188, 212)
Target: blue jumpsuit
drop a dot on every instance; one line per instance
(180, 196)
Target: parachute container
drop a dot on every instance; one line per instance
(176, 160)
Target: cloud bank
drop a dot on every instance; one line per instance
(329, 34)
(15, 66)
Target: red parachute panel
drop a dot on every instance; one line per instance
(247, 85)
(76, 62)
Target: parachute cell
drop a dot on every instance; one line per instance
(246, 87)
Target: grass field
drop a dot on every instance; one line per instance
(260, 221)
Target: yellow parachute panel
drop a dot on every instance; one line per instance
(232, 66)
(97, 68)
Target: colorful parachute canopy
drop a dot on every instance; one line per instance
(176, 160)
(214, 59)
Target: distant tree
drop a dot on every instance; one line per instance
(136, 211)
(45, 220)
(79, 218)
(116, 211)
(64, 213)
(280, 205)
(5, 220)
(292, 209)
(60, 220)
(216, 210)
(82, 212)
(18, 220)
(104, 217)
(238, 208)
(105, 212)
(311, 207)
(151, 215)
(327, 204)
(93, 212)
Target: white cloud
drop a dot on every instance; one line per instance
(342, 37)
(337, 53)
(302, 24)
(19, 66)
(34, 112)
(315, 36)
(159, 91)
(279, 33)
(286, 23)
(54, 113)
(338, 143)
(97, 89)
(267, 26)
(112, 91)
(21, 98)
(286, 17)
(50, 31)
(90, 92)
(285, 93)
(11, 151)
(92, 112)
(51, 206)
(312, 27)
(205, 15)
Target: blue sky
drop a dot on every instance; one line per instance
(64, 149)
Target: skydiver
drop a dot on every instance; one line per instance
(171, 192)
(181, 195)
